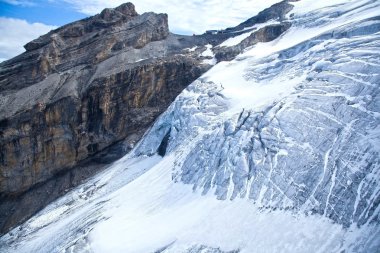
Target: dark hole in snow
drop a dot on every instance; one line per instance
(164, 144)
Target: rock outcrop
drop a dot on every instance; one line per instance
(83, 94)
(265, 34)
(277, 13)
(81, 88)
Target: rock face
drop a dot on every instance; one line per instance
(70, 129)
(90, 85)
(82, 88)
(71, 94)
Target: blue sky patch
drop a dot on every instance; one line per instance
(55, 13)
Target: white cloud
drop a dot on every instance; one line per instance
(15, 33)
(193, 16)
(24, 3)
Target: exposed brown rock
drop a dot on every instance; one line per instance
(39, 142)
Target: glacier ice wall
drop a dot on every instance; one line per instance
(313, 147)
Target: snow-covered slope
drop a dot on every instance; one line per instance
(275, 151)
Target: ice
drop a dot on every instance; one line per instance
(209, 54)
(275, 151)
(152, 212)
(235, 40)
(208, 51)
(239, 38)
(192, 49)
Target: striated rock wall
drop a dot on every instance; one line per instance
(41, 141)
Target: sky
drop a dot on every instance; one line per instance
(24, 20)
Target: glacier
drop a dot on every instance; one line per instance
(274, 151)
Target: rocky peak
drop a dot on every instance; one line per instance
(87, 41)
(126, 9)
(108, 17)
